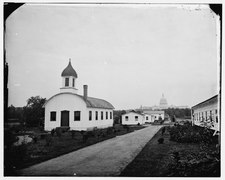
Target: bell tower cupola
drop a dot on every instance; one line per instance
(69, 77)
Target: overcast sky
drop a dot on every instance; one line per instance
(127, 54)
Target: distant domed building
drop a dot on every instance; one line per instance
(162, 105)
(163, 102)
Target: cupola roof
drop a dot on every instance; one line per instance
(69, 71)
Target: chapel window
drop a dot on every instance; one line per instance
(67, 82)
(76, 115)
(90, 115)
(101, 115)
(73, 82)
(53, 116)
(96, 115)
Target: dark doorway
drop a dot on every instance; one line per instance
(65, 118)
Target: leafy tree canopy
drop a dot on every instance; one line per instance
(34, 111)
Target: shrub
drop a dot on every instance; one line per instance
(110, 130)
(82, 132)
(91, 133)
(73, 134)
(100, 133)
(61, 130)
(191, 134)
(41, 128)
(53, 132)
(87, 135)
(65, 129)
(157, 122)
(126, 127)
(14, 157)
(58, 132)
(118, 127)
(49, 140)
(43, 136)
(161, 121)
(85, 138)
(206, 163)
(9, 138)
(176, 156)
(118, 130)
(16, 129)
(187, 123)
(103, 133)
(160, 140)
(35, 139)
(163, 130)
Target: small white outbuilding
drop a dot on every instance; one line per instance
(79, 112)
(155, 115)
(133, 118)
(148, 118)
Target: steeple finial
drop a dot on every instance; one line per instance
(69, 71)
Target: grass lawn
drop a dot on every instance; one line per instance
(40, 151)
(154, 159)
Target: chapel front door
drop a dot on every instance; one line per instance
(65, 118)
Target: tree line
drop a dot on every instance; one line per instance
(31, 115)
(178, 113)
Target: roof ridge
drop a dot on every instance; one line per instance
(90, 102)
(96, 98)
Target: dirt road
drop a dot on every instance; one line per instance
(107, 158)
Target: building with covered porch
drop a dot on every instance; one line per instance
(206, 113)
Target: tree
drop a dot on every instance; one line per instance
(15, 112)
(117, 115)
(34, 111)
(179, 113)
(11, 111)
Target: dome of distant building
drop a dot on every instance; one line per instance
(163, 101)
(69, 71)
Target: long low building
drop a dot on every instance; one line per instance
(135, 117)
(206, 113)
(155, 115)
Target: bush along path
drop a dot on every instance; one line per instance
(179, 151)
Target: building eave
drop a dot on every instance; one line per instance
(203, 102)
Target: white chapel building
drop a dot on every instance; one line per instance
(79, 112)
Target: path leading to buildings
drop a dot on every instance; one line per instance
(107, 158)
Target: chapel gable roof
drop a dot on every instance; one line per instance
(98, 103)
(90, 102)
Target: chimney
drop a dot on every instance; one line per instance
(85, 92)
